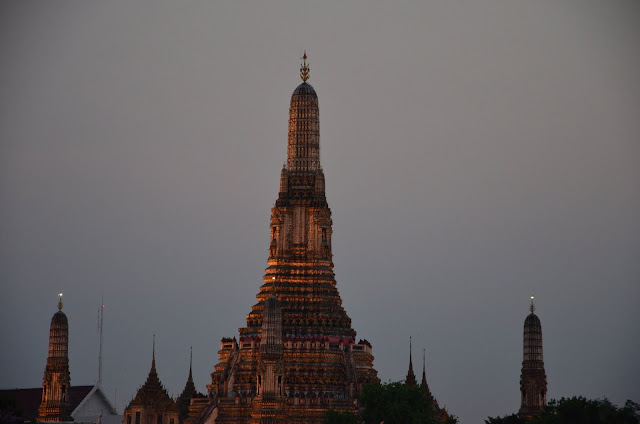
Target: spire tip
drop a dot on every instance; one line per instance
(304, 68)
(532, 307)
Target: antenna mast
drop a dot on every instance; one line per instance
(100, 352)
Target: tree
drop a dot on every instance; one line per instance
(395, 403)
(580, 410)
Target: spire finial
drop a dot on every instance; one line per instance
(190, 360)
(304, 68)
(410, 349)
(59, 301)
(424, 360)
(153, 354)
(532, 307)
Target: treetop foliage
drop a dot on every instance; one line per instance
(578, 410)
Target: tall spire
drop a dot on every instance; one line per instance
(423, 384)
(100, 323)
(190, 362)
(533, 379)
(411, 377)
(57, 380)
(153, 352)
(189, 391)
(304, 68)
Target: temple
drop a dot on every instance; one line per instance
(297, 356)
(533, 379)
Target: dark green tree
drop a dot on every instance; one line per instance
(395, 403)
(580, 410)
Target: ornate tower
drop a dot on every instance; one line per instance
(56, 382)
(533, 380)
(298, 350)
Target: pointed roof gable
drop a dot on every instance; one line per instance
(184, 400)
(411, 377)
(152, 392)
(424, 385)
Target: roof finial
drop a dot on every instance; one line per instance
(410, 349)
(304, 68)
(532, 307)
(153, 355)
(59, 301)
(190, 360)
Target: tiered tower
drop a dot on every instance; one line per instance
(297, 356)
(533, 379)
(56, 382)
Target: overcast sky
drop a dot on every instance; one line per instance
(475, 153)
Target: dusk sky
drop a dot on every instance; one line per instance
(475, 153)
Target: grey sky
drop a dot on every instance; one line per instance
(474, 153)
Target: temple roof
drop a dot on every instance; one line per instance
(411, 377)
(152, 392)
(423, 384)
(184, 400)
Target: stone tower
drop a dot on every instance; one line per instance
(533, 380)
(297, 356)
(57, 380)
